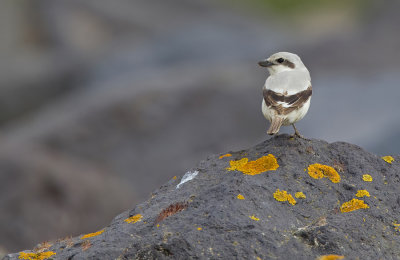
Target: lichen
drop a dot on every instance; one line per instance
(92, 234)
(331, 257)
(36, 256)
(388, 159)
(86, 245)
(353, 204)
(318, 171)
(254, 218)
(171, 210)
(396, 226)
(240, 197)
(225, 155)
(199, 228)
(44, 246)
(284, 196)
(263, 164)
(362, 193)
(367, 177)
(300, 195)
(134, 219)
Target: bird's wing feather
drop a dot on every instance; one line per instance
(284, 104)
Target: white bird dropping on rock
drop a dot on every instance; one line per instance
(187, 177)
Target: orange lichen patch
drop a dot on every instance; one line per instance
(367, 177)
(171, 210)
(353, 204)
(240, 197)
(134, 219)
(388, 159)
(318, 171)
(263, 164)
(284, 196)
(92, 234)
(254, 218)
(86, 245)
(174, 177)
(225, 155)
(300, 195)
(362, 193)
(36, 256)
(331, 257)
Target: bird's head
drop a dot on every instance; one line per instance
(282, 61)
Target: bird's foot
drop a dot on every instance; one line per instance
(298, 135)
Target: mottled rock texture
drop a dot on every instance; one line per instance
(206, 219)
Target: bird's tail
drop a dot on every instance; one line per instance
(276, 124)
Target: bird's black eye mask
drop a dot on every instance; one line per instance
(286, 63)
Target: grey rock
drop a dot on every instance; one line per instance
(313, 227)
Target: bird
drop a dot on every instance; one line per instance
(286, 92)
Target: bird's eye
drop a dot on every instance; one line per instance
(280, 60)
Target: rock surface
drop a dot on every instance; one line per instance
(94, 90)
(214, 212)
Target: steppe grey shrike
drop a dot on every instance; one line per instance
(287, 91)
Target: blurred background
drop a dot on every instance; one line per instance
(101, 102)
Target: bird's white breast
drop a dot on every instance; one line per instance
(289, 82)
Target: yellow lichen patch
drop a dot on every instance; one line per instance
(300, 195)
(240, 197)
(353, 204)
(199, 228)
(318, 171)
(362, 193)
(388, 159)
(174, 177)
(254, 218)
(236, 165)
(92, 234)
(291, 200)
(284, 196)
(396, 226)
(367, 177)
(263, 164)
(36, 256)
(225, 155)
(330, 257)
(134, 219)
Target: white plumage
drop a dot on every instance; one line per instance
(287, 91)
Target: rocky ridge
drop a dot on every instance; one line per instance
(285, 197)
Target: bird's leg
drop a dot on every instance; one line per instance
(296, 133)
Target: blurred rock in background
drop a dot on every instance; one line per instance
(103, 101)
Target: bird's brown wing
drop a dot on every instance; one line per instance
(284, 104)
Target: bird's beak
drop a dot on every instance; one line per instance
(265, 63)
